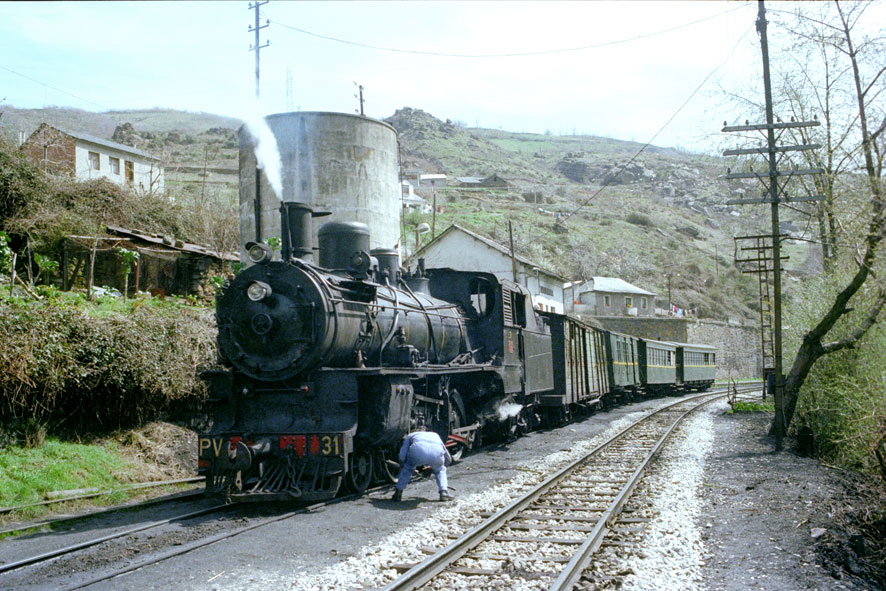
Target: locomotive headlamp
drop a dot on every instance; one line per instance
(258, 290)
(258, 252)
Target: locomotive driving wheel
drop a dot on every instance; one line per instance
(385, 466)
(457, 420)
(359, 477)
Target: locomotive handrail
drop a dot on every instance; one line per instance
(394, 323)
(427, 319)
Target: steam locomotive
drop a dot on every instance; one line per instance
(329, 365)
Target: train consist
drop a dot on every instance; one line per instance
(329, 365)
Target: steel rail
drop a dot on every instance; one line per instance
(136, 486)
(126, 507)
(73, 548)
(214, 539)
(424, 571)
(572, 572)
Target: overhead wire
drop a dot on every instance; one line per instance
(503, 55)
(662, 128)
(34, 80)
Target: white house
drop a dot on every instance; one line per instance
(461, 249)
(608, 296)
(83, 156)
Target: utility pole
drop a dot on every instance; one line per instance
(257, 46)
(773, 196)
(359, 97)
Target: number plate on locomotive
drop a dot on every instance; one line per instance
(315, 445)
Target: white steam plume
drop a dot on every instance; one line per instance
(266, 153)
(507, 410)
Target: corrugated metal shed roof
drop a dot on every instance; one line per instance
(173, 244)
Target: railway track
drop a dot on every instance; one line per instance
(28, 569)
(546, 538)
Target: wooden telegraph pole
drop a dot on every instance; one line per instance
(773, 195)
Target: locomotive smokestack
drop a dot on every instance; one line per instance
(296, 229)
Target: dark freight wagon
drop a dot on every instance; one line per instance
(579, 364)
(622, 359)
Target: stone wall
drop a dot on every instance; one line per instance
(738, 347)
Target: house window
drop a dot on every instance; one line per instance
(643, 303)
(130, 171)
(94, 161)
(114, 163)
(606, 301)
(629, 302)
(546, 290)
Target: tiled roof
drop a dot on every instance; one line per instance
(106, 143)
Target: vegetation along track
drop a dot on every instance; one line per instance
(548, 535)
(67, 569)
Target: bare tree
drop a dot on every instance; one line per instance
(858, 168)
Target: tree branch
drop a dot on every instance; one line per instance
(858, 333)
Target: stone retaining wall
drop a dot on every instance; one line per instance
(738, 347)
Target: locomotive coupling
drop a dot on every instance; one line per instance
(243, 455)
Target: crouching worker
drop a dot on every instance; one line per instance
(423, 448)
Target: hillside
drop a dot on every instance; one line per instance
(661, 214)
(580, 205)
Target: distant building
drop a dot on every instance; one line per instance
(461, 249)
(608, 296)
(432, 180)
(412, 201)
(60, 151)
(475, 182)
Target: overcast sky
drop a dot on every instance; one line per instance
(638, 62)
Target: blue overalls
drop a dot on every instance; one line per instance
(423, 448)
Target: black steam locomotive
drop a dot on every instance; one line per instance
(331, 364)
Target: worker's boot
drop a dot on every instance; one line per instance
(445, 496)
(398, 495)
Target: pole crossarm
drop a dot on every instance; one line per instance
(780, 200)
(761, 150)
(777, 173)
(768, 126)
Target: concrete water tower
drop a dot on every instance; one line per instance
(345, 164)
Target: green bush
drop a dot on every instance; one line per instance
(638, 219)
(843, 402)
(20, 181)
(80, 372)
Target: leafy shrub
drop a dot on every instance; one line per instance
(20, 181)
(638, 219)
(76, 372)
